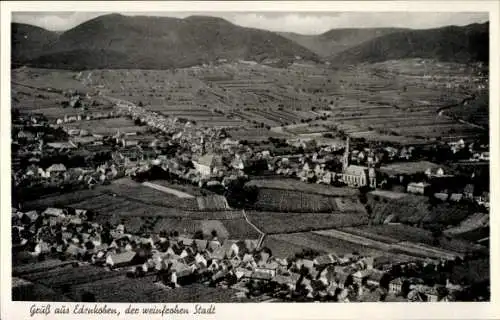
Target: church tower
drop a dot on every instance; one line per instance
(345, 158)
(203, 146)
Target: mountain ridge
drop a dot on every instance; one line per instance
(450, 44)
(118, 41)
(163, 42)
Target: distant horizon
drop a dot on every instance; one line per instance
(305, 23)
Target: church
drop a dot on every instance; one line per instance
(357, 176)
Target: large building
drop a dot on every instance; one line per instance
(357, 176)
(207, 164)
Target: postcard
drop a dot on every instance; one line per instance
(283, 160)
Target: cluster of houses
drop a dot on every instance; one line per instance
(69, 118)
(181, 260)
(58, 172)
(468, 194)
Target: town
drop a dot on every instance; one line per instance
(236, 180)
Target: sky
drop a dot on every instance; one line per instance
(303, 22)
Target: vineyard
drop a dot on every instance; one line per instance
(289, 244)
(275, 222)
(214, 202)
(144, 194)
(41, 266)
(296, 185)
(61, 200)
(293, 201)
(121, 288)
(70, 276)
(394, 233)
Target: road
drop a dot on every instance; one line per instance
(262, 234)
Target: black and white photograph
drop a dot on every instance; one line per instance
(249, 156)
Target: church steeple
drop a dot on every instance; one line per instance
(345, 158)
(203, 146)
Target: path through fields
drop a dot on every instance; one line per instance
(168, 190)
(262, 234)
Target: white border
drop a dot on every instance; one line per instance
(18, 310)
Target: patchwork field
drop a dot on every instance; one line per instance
(395, 101)
(143, 209)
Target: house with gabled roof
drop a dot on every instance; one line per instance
(56, 169)
(396, 285)
(324, 260)
(55, 212)
(29, 217)
(120, 259)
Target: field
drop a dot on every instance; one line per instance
(142, 210)
(186, 188)
(286, 245)
(276, 222)
(61, 200)
(167, 190)
(49, 102)
(144, 194)
(71, 276)
(226, 229)
(254, 134)
(121, 289)
(341, 242)
(68, 283)
(395, 101)
(290, 195)
(293, 201)
(417, 211)
(296, 185)
(394, 233)
(476, 110)
(40, 266)
(409, 168)
(104, 204)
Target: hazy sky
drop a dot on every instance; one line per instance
(306, 23)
